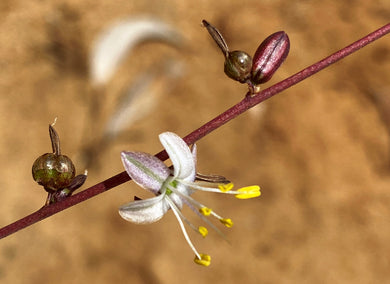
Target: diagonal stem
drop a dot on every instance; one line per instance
(247, 103)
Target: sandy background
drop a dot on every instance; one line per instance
(320, 150)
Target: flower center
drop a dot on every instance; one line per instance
(173, 184)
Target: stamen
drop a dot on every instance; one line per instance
(204, 218)
(202, 211)
(205, 211)
(204, 259)
(186, 197)
(183, 229)
(203, 231)
(248, 192)
(242, 193)
(227, 222)
(225, 187)
(195, 186)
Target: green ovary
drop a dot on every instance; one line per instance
(52, 179)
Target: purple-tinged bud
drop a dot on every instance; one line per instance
(269, 56)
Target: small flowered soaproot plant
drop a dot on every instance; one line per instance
(174, 187)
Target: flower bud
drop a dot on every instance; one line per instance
(269, 56)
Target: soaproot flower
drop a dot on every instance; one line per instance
(173, 188)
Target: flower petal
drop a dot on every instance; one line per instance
(145, 211)
(194, 152)
(177, 199)
(180, 155)
(146, 170)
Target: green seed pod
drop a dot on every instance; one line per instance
(238, 66)
(53, 172)
(56, 172)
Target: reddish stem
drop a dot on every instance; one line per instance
(199, 133)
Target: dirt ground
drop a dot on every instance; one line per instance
(319, 150)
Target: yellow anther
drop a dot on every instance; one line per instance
(225, 187)
(204, 259)
(248, 192)
(203, 231)
(227, 222)
(205, 211)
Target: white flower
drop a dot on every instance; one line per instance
(172, 189)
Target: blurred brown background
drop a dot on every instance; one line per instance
(319, 151)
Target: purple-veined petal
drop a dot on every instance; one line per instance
(145, 211)
(180, 155)
(146, 170)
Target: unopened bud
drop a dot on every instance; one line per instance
(269, 56)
